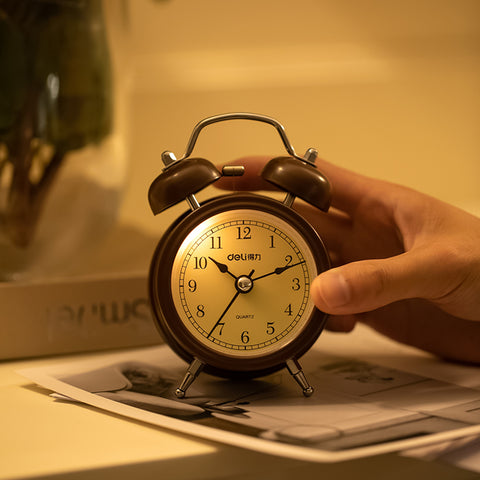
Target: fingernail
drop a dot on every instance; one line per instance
(333, 289)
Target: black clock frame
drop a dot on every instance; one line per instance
(171, 326)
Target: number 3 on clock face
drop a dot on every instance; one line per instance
(230, 285)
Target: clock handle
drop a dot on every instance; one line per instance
(237, 116)
(182, 178)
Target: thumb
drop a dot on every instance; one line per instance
(370, 284)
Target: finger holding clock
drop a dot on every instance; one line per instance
(348, 188)
(250, 180)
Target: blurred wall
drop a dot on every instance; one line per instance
(389, 88)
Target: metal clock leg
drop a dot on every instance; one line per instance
(297, 373)
(192, 373)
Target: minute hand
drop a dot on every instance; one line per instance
(278, 270)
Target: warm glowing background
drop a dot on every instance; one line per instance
(387, 88)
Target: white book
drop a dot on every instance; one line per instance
(75, 314)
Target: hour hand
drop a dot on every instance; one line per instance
(222, 267)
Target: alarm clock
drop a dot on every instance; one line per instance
(229, 280)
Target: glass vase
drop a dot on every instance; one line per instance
(63, 136)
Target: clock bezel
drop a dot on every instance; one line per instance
(171, 326)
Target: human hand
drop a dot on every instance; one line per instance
(406, 264)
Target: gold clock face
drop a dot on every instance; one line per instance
(240, 283)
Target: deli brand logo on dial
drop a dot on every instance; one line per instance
(238, 257)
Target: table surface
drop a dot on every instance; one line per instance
(42, 437)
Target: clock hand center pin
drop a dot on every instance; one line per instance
(244, 283)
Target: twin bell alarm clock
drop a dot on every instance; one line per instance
(229, 280)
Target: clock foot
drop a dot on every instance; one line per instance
(192, 373)
(297, 373)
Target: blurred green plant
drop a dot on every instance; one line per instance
(55, 97)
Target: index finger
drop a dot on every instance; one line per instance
(251, 179)
(348, 187)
